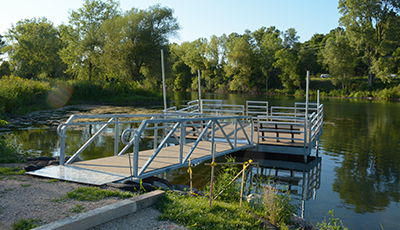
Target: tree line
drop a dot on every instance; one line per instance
(102, 43)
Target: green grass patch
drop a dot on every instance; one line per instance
(26, 224)
(78, 209)
(25, 185)
(93, 194)
(11, 171)
(195, 213)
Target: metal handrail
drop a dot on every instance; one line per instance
(113, 119)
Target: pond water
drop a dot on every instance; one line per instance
(359, 150)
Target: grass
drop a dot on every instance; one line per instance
(332, 224)
(6, 171)
(195, 213)
(20, 96)
(277, 208)
(25, 224)
(78, 209)
(93, 194)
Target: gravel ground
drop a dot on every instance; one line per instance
(29, 197)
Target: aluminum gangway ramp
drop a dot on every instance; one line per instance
(171, 148)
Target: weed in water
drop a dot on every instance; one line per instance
(332, 224)
(93, 194)
(78, 209)
(24, 224)
(277, 207)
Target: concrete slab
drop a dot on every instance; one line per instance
(105, 214)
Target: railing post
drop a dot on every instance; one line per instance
(155, 135)
(116, 141)
(212, 137)
(135, 165)
(182, 141)
(236, 121)
(62, 146)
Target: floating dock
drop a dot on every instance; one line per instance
(197, 132)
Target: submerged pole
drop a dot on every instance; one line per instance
(163, 78)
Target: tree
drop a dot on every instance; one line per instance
(83, 45)
(373, 28)
(268, 42)
(33, 47)
(132, 42)
(240, 64)
(287, 61)
(2, 44)
(340, 58)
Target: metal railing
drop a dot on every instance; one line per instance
(179, 126)
(105, 120)
(172, 126)
(289, 120)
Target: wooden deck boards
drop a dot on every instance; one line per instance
(167, 157)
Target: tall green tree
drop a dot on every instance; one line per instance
(81, 37)
(133, 41)
(240, 64)
(267, 43)
(2, 44)
(340, 58)
(32, 48)
(372, 26)
(287, 61)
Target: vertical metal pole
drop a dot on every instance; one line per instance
(62, 147)
(135, 156)
(182, 141)
(235, 143)
(163, 77)
(155, 135)
(200, 102)
(212, 172)
(306, 117)
(116, 136)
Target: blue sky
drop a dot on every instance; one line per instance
(200, 19)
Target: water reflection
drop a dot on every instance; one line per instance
(288, 173)
(367, 139)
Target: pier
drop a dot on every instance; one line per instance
(198, 131)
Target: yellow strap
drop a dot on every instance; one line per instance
(245, 164)
(190, 168)
(213, 164)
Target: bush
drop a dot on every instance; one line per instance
(278, 208)
(223, 175)
(19, 95)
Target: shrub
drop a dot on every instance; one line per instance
(278, 208)
(19, 94)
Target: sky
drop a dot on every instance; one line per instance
(199, 19)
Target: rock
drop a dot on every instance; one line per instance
(255, 200)
(301, 223)
(31, 168)
(151, 179)
(160, 185)
(185, 188)
(132, 187)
